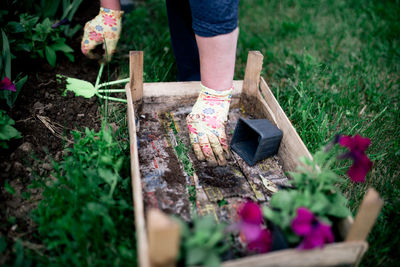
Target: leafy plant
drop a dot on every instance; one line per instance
(38, 38)
(5, 71)
(203, 243)
(7, 131)
(85, 217)
(315, 188)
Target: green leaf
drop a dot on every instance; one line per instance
(6, 54)
(50, 55)
(282, 200)
(14, 27)
(61, 46)
(320, 203)
(9, 188)
(195, 255)
(12, 96)
(212, 260)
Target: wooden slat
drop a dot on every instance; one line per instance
(180, 89)
(292, 147)
(336, 254)
(140, 225)
(366, 216)
(136, 75)
(252, 73)
(164, 235)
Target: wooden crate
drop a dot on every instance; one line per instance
(158, 241)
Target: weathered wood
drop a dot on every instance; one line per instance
(137, 186)
(292, 147)
(164, 238)
(136, 75)
(252, 73)
(336, 254)
(366, 216)
(180, 89)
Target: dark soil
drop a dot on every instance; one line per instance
(44, 117)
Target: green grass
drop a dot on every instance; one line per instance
(333, 66)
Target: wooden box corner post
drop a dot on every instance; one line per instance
(164, 239)
(252, 73)
(136, 75)
(366, 216)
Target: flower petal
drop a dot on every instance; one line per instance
(251, 213)
(262, 244)
(360, 168)
(302, 223)
(6, 84)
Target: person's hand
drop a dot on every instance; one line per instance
(206, 124)
(104, 28)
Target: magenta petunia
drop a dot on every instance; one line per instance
(250, 212)
(301, 225)
(361, 163)
(251, 226)
(314, 233)
(6, 84)
(263, 243)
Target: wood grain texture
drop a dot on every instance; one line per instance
(164, 238)
(366, 216)
(140, 225)
(252, 73)
(336, 254)
(136, 75)
(292, 147)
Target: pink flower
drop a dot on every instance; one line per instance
(263, 243)
(361, 163)
(251, 213)
(109, 20)
(6, 84)
(315, 233)
(251, 226)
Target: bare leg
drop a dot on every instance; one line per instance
(217, 60)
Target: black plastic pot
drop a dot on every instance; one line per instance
(255, 140)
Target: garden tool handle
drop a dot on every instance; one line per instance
(366, 216)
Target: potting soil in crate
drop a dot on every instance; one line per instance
(175, 182)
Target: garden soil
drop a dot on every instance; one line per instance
(44, 117)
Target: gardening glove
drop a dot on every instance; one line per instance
(105, 28)
(206, 124)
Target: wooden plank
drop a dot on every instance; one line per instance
(252, 73)
(292, 147)
(366, 216)
(180, 89)
(136, 75)
(164, 239)
(140, 225)
(336, 254)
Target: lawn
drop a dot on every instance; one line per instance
(334, 68)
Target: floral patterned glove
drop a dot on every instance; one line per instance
(206, 125)
(104, 28)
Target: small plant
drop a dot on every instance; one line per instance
(85, 217)
(306, 212)
(39, 39)
(7, 131)
(203, 243)
(8, 90)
